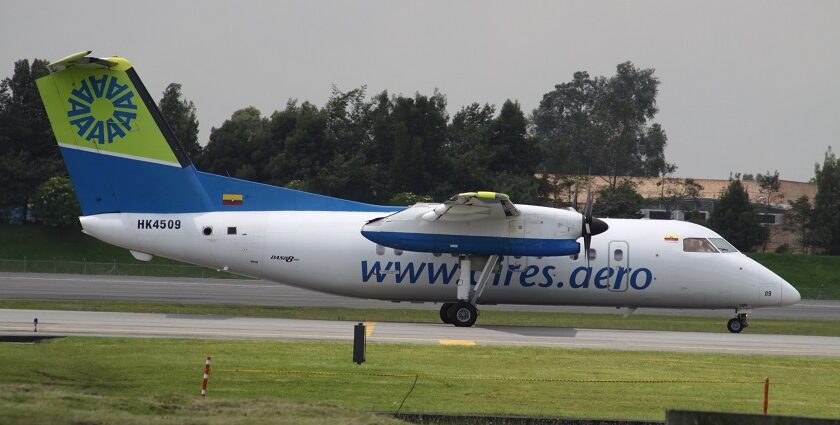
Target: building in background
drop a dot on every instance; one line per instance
(671, 198)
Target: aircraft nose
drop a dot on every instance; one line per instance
(790, 295)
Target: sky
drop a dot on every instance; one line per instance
(746, 86)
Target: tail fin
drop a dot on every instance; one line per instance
(120, 153)
(122, 156)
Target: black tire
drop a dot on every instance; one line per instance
(444, 312)
(735, 326)
(462, 314)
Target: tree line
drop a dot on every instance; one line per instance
(398, 149)
(383, 148)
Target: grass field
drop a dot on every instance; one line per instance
(814, 276)
(83, 380)
(488, 317)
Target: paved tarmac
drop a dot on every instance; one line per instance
(54, 323)
(258, 292)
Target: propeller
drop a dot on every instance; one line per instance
(591, 225)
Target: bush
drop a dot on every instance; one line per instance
(782, 249)
(56, 204)
(408, 198)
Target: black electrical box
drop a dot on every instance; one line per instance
(359, 343)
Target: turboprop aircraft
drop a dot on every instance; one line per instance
(138, 190)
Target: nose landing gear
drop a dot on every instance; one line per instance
(737, 324)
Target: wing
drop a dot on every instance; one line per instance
(473, 206)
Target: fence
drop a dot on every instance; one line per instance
(109, 268)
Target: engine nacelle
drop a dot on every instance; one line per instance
(537, 231)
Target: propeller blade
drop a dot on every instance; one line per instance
(587, 240)
(590, 226)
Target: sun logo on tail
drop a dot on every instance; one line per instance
(102, 109)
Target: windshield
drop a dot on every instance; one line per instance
(723, 245)
(697, 245)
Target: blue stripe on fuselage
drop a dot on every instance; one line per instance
(107, 183)
(482, 245)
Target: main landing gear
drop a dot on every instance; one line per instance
(461, 314)
(738, 323)
(464, 313)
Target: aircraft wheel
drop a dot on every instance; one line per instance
(735, 325)
(462, 314)
(444, 312)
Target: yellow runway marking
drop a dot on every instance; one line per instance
(369, 328)
(456, 342)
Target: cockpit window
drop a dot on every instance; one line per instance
(698, 245)
(723, 245)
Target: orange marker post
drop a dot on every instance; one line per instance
(206, 375)
(766, 393)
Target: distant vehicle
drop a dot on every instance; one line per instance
(138, 190)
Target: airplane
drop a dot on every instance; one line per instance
(138, 190)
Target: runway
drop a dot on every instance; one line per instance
(63, 323)
(35, 286)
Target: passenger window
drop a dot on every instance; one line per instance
(231, 230)
(398, 252)
(698, 245)
(618, 255)
(592, 254)
(574, 257)
(380, 250)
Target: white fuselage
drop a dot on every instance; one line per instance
(634, 264)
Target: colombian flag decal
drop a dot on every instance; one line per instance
(671, 237)
(232, 199)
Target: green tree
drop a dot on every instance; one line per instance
(826, 220)
(55, 203)
(488, 152)
(28, 153)
(769, 186)
(20, 175)
(602, 126)
(684, 194)
(769, 190)
(735, 219)
(348, 172)
(798, 220)
(466, 148)
(304, 150)
(231, 146)
(181, 116)
(408, 139)
(621, 201)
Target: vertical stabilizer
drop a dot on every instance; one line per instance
(119, 151)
